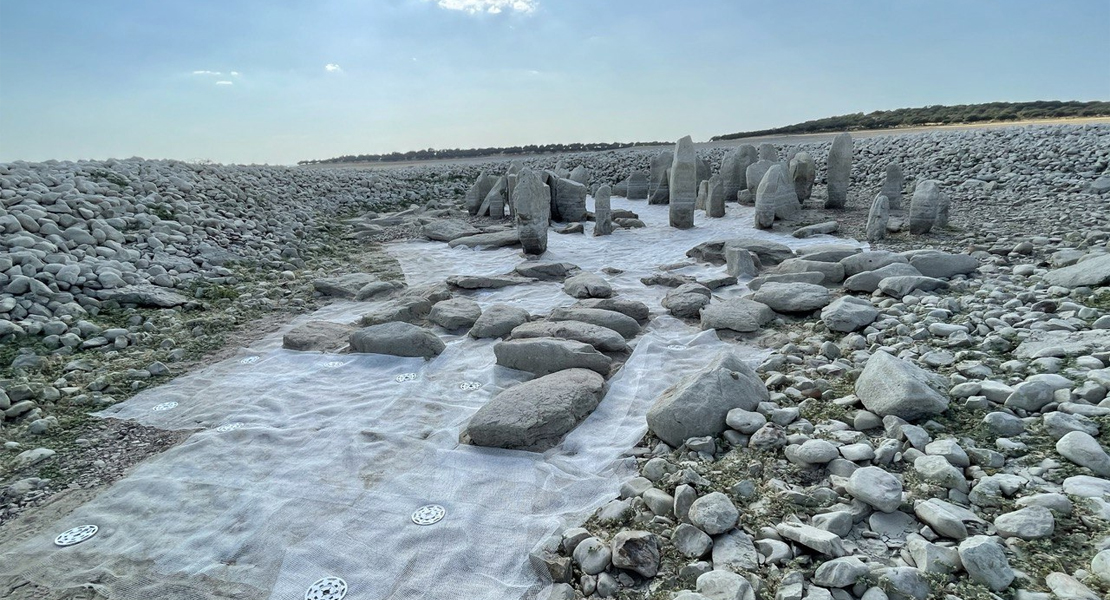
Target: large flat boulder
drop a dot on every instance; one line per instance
(769, 252)
(602, 338)
(942, 265)
(619, 322)
(144, 296)
(536, 414)
(632, 308)
(792, 297)
(848, 313)
(498, 320)
(737, 314)
(698, 404)
(892, 386)
(343, 286)
(397, 339)
(445, 230)
(321, 336)
(1092, 272)
(868, 280)
(548, 355)
(455, 313)
(496, 239)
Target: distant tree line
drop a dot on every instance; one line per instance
(938, 115)
(432, 153)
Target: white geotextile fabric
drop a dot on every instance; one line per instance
(323, 458)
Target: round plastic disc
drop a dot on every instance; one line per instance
(327, 588)
(405, 377)
(428, 515)
(76, 535)
(229, 427)
(165, 406)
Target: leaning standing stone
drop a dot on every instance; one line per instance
(533, 211)
(683, 185)
(657, 180)
(802, 172)
(877, 219)
(892, 186)
(732, 174)
(715, 204)
(840, 170)
(924, 206)
(603, 214)
(775, 198)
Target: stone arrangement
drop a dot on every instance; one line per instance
(930, 416)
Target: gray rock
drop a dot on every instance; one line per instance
(878, 219)
(822, 541)
(445, 230)
(1032, 523)
(904, 583)
(736, 314)
(840, 572)
(658, 180)
(768, 252)
(868, 281)
(635, 309)
(617, 321)
(636, 551)
(478, 192)
(774, 198)
(1030, 395)
(495, 239)
(735, 551)
(1085, 451)
(407, 309)
(483, 282)
(536, 414)
(713, 513)
(698, 404)
(542, 356)
(690, 541)
(715, 202)
(322, 336)
(587, 285)
(755, 173)
(848, 313)
(792, 297)
(825, 228)
(924, 206)
(397, 339)
(934, 263)
(593, 556)
(456, 313)
(740, 262)
(893, 183)
(745, 421)
(602, 338)
(945, 518)
(724, 585)
(938, 471)
(901, 286)
(803, 171)
(985, 562)
(498, 320)
(876, 487)
(603, 214)
(532, 205)
(144, 296)
(568, 199)
(637, 186)
(683, 185)
(687, 300)
(732, 173)
(545, 271)
(933, 558)
(864, 262)
(839, 170)
(1093, 272)
(892, 386)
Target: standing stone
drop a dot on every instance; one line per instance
(683, 185)
(603, 215)
(657, 180)
(840, 170)
(767, 151)
(715, 206)
(704, 171)
(892, 186)
(924, 206)
(703, 196)
(754, 174)
(478, 192)
(510, 185)
(568, 200)
(942, 210)
(494, 203)
(878, 218)
(775, 198)
(581, 175)
(561, 170)
(802, 172)
(533, 211)
(732, 174)
(637, 186)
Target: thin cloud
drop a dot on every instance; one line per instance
(235, 73)
(489, 6)
(332, 68)
(225, 82)
(208, 73)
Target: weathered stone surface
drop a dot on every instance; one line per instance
(602, 338)
(825, 228)
(754, 174)
(803, 171)
(568, 199)
(698, 404)
(587, 285)
(658, 180)
(542, 356)
(495, 239)
(848, 313)
(870, 261)
(498, 321)
(603, 214)
(456, 313)
(769, 252)
(715, 202)
(868, 281)
(1031, 523)
(935, 263)
(532, 204)
(901, 286)
(985, 562)
(636, 551)
(319, 336)
(613, 319)
(736, 314)
(878, 218)
(144, 296)
(445, 230)
(892, 386)
(478, 192)
(740, 262)
(482, 282)
(683, 186)
(839, 170)
(1092, 272)
(735, 551)
(397, 339)
(713, 513)
(792, 297)
(924, 206)
(1082, 449)
(893, 183)
(833, 272)
(637, 186)
(687, 300)
(733, 176)
(822, 541)
(536, 414)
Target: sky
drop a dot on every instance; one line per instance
(274, 81)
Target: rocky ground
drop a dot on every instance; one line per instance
(976, 468)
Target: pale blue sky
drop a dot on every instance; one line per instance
(248, 81)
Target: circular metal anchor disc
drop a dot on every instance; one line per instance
(229, 427)
(428, 515)
(76, 535)
(470, 386)
(405, 377)
(164, 406)
(334, 364)
(250, 360)
(327, 588)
